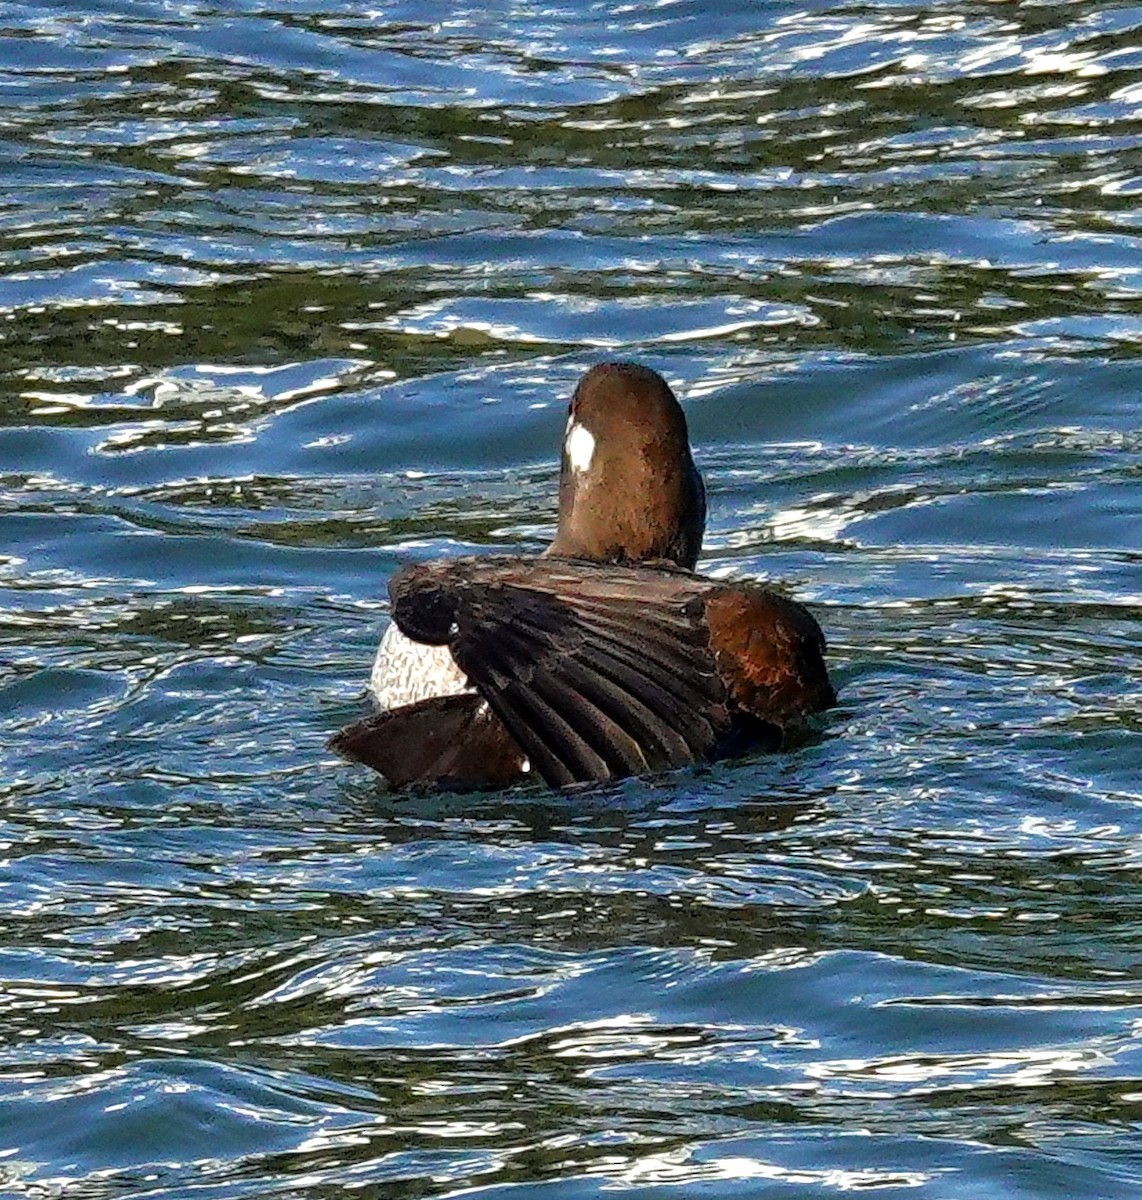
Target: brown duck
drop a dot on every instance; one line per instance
(606, 656)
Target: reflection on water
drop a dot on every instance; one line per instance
(292, 293)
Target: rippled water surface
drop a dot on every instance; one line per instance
(294, 291)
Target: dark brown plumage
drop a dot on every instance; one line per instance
(642, 498)
(599, 671)
(607, 656)
(453, 741)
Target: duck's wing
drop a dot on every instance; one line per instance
(596, 671)
(451, 742)
(772, 655)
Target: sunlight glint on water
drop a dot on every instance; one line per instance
(290, 295)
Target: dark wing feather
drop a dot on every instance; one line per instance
(772, 655)
(443, 742)
(596, 671)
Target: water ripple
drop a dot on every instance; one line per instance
(292, 293)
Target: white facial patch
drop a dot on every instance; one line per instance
(580, 447)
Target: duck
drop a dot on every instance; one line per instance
(605, 656)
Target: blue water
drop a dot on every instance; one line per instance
(292, 293)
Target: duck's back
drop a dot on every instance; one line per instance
(600, 671)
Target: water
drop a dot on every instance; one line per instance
(293, 293)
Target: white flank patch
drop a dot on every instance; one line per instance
(580, 447)
(405, 671)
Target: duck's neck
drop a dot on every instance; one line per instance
(631, 515)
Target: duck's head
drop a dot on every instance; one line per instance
(628, 488)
